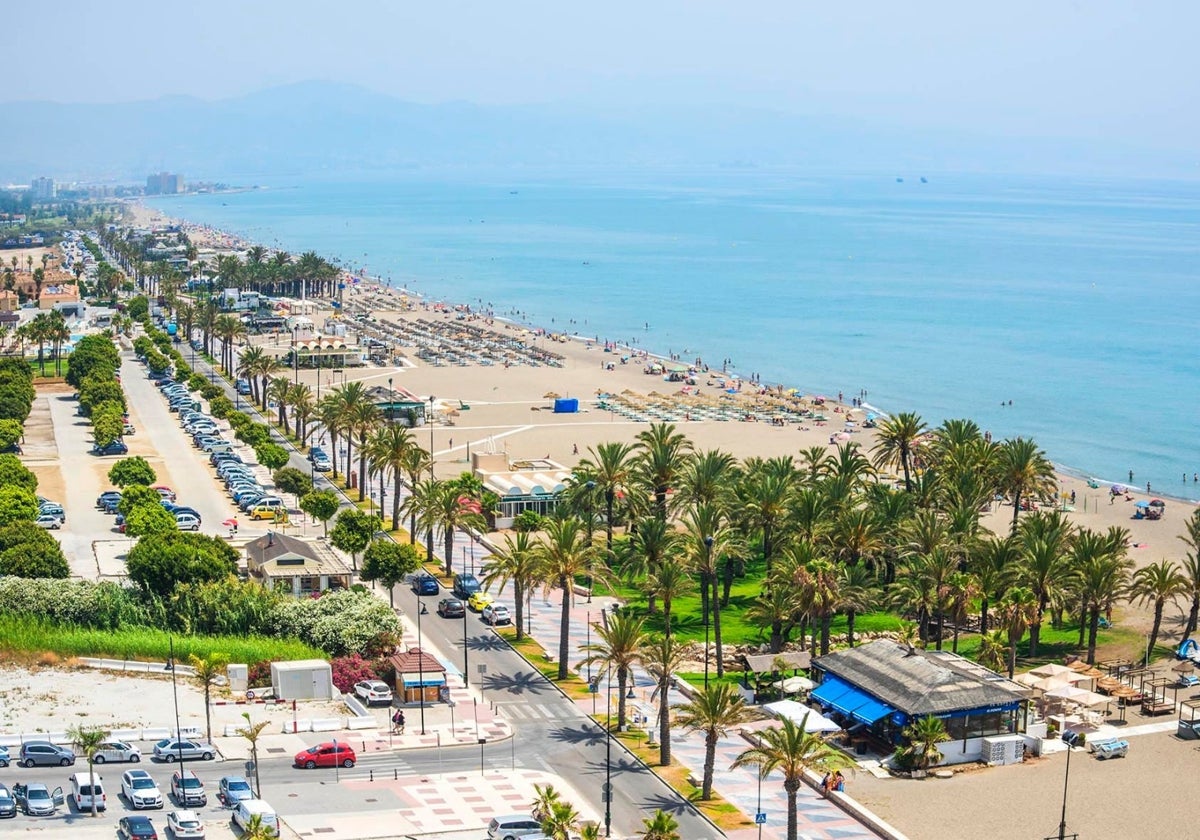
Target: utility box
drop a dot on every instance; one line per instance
(239, 678)
(305, 679)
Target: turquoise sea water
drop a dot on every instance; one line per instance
(1076, 300)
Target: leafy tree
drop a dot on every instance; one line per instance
(271, 455)
(389, 563)
(88, 739)
(207, 669)
(291, 480)
(108, 423)
(138, 495)
(11, 431)
(160, 562)
(715, 711)
(129, 471)
(93, 353)
(14, 404)
(31, 553)
(99, 388)
(144, 520)
(138, 308)
(527, 521)
(17, 505)
(254, 435)
(320, 505)
(221, 407)
(353, 531)
(15, 474)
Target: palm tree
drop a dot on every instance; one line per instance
(278, 389)
(707, 539)
(561, 822)
(564, 555)
(1024, 470)
(249, 362)
(609, 465)
(300, 398)
(651, 543)
(228, 329)
(714, 710)
(1157, 584)
(660, 826)
(764, 498)
(251, 732)
(1101, 574)
(1016, 612)
(993, 650)
(661, 452)
(545, 797)
(923, 735)
(451, 510)
(268, 366)
(619, 648)
(256, 829)
(857, 592)
(206, 670)
(792, 751)
(415, 463)
(1191, 567)
(363, 417)
(669, 581)
(329, 414)
(516, 561)
(58, 333)
(386, 451)
(706, 479)
(993, 563)
(896, 439)
(88, 740)
(662, 656)
(1045, 539)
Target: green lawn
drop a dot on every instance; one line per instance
(46, 369)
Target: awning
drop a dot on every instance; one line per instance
(849, 700)
(415, 680)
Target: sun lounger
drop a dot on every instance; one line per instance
(1111, 749)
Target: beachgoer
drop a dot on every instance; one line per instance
(574, 448)
(1131, 476)
(839, 781)
(1147, 486)
(1072, 497)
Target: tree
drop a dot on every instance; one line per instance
(135, 470)
(610, 467)
(17, 505)
(255, 828)
(1157, 584)
(451, 509)
(138, 495)
(792, 751)
(661, 453)
(563, 555)
(207, 670)
(93, 353)
(144, 520)
(516, 561)
(1101, 576)
(923, 735)
(108, 423)
(251, 732)
(389, 563)
(15, 474)
(272, 455)
(294, 481)
(660, 826)
(321, 505)
(714, 710)
(561, 822)
(31, 553)
(1191, 568)
(386, 451)
(896, 439)
(662, 656)
(1016, 612)
(88, 740)
(11, 431)
(353, 531)
(1024, 470)
(160, 562)
(619, 648)
(99, 388)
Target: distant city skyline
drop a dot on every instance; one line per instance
(1111, 72)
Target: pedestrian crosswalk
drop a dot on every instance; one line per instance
(537, 711)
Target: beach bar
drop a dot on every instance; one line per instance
(878, 689)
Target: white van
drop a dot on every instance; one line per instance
(513, 827)
(248, 808)
(84, 790)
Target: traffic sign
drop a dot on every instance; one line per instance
(760, 818)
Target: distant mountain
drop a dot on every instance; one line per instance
(315, 126)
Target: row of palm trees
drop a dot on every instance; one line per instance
(46, 328)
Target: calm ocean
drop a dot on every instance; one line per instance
(1078, 301)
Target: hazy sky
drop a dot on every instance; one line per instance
(1121, 69)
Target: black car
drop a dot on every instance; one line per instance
(175, 510)
(136, 828)
(465, 586)
(451, 608)
(114, 448)
(425, 584)
(108, 496)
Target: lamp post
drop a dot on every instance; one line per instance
(590, 486)
(466, 653)
(608, 764)
(708, 544)
(429, 421)
(420, 657)
(1062, 825)
(295, 354)
(391, 403)
(175, 692)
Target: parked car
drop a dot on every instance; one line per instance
(106, 496)
(513, 827)
(186, 522)
(267, 507)
(465, 586)
(136, 828)
(140, 790)
(326, 754)
(479, 600)
(185, 824)
(117, 751)
(169, 750)
(247, 809)
(87, 791)
(48, 521)
(234, 789)
(8, 805)
(45, 754)
(451, 608)
(53, 509)
(374, 691)
(250, 501)
(496, 614)
(425, 584)
(187, 788)
(36, 800)
(184, 510)
(128, 429)
(4, 759)
(165, 492)
(114, 448)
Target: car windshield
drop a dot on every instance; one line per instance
(192, 783)
(142, 784)
(37, 793)
(188, 823)
(238, 786)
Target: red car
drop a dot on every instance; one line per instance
(327, 754)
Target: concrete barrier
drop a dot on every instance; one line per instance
(326, 724)
(291, 727)
(357, 723)
(155, 734)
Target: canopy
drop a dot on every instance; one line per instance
(1081, 696)
(1141, 503)
(850, 700)
(797, 712)
(793, 684)
(1051, 669)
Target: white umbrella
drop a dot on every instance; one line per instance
(1081, 696)
(1050, 669)
(796, 712)
(791, 685)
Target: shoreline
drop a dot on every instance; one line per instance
(1070, 477)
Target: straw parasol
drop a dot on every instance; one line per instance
(1184, 667)
(550, 395)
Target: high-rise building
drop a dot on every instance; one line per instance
(43, 189)
(164, 183)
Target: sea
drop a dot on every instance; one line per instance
(1065, 310)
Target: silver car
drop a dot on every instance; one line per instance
(45, 754)
(171, 750)
(36, 800)
(117, 751)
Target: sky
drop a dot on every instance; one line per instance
(1122, 71)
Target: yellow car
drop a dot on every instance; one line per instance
(479, 600)
(266, 512)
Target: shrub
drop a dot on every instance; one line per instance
(339, 623)
(197, 382)
(221, 407)
(347, 670)
(210, 391)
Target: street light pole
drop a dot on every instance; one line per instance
(391, 403)
(608, 764)
(708, 544)
(295, 355)
(421, 657)
(466, 653)
(591, 486)
(429, 420)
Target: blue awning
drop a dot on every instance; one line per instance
(849, 700)
(415, 681)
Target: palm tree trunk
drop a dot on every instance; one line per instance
(710, 758)
(766, 546)
(667, 616)
(518, 608)
(1193, 615)
(850, 616)
(608, 524)
(564, 626)
(412, 527)
(727, 582)
(776, 636)
(983, 616)
(362, 470)
(825, 622)
(449, 546)
(622, 677)
(1158, 613)
(396, 504)
(792, 829)
(941, 618)
(1083, 612)
(664, 722)
(1012, 655)
(1093, 628)
(716, 611)
(1016, 511)
(1035, 633)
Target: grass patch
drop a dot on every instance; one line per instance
(22, 635)
(46, 369)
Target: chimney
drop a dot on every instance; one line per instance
(270, 538)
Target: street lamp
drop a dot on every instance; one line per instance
(420, 655)
(466, 653)
(708, 544)
(295, 354)
(429, 421)
(590, 486)
(391, 403)
(608, 764)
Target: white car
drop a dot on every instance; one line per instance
(185, 824)
(117, 751)
(187, 522)
(374, 691)
(48, 521)
(494, 614)
(140, 790)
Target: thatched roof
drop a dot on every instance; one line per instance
(770, 662)
(920, 682)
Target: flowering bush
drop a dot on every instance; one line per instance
(347, 670)
(339, 623)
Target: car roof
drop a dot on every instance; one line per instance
(230, 779)
(137, 774)
(137, 819)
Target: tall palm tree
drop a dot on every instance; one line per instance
(993, 563)
(363, 417)
(661, 453)
(229, 330)
(1024, 471)
(331, 416)
(857, 592)
(651, 543)
(1157, 584)
(88, 740)
(660, 826)
(516, 561)
(764, 498)
(565, 555)
(714, 710)
(610, 466)
(422, 509)
(268, 367)
(669, 581)
(300, 398)
(249, 362)
(415, 463)
(278, 390)
(1016, 612)
(386, 451)
(561, 822)
(619, 647)
(707, 541)
(993, 650)
(452, 510)
(662, 656)
(792, 751)
(706, 478)
(205, 671)
(58, 334)
(1101, 574)
(1044, 542)
(896, 438)
(1191, 568)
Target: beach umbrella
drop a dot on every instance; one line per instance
(549, 395)
(791, 685)
(843, 436)
(1141, 503)
(1051, 669)
(1184, 667)
(229, 523)
(1118, 489)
